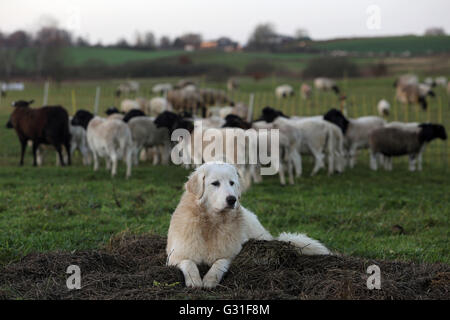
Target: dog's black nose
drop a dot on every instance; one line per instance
(231, 200)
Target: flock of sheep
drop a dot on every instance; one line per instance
(141, 129)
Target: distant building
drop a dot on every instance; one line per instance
(221, 44)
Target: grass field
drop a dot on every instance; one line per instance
(355, 213)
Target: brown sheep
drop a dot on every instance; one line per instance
(45, 125)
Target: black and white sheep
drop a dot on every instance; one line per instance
(403, 139)
(356, 131)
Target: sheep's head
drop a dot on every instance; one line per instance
(234, 121)
(112, 110)
(269, 114)
(22, 103)
(132, 114)
(167, 120)
(336, 117)
(431, 131)
(82, 118)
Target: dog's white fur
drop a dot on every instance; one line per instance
(205, 228)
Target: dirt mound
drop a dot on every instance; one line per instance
(133, 267)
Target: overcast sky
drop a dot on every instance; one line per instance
(109, 20)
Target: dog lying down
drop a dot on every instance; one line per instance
(210, 226)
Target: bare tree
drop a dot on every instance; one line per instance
(262, 36)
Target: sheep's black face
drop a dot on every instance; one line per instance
(184, 124)
(432, 131)
(112, 110)
(234, 121)
(167, 120)
(431, 93)
(9, 124)
(336, 117)
(22, 103)
(82, 118)
(132, 114)
(423, 102)
(336, 89)
(269, 114)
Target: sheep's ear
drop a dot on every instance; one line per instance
(196, 184)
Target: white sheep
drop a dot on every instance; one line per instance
(162, 88)
(326, 84)
(398, 139)
(128, 105)
(157, 106)
(441, 81)
(127, 88)
(383, 108)
(284, 91)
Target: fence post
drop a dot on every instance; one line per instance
(74, 102)
(46, 88)
(97, 100)
(250, 107)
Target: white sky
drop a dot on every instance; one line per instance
(108, 20)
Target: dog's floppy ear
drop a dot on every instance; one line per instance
(196, 184)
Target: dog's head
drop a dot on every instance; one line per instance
(216, 186)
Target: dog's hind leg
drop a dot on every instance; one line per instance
(191, 274)
(215, 273)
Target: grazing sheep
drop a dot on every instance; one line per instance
(356, 131)
(127, 88)
(213, 97)
(441, 81)
(383, 108)
(239, 110)
(305, 91)
(183, 83)
(128, 104)
(406, 79)
(232, 84)
(109, 139)
(131, 114)
(326, 84)
(157, 106)
(162, 88)
(186, 101)
(45, 125)
(429, 82)
(284, 91)
(413, 94)
(398, 140)
(145, 134)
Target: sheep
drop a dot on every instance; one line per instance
(326, 84)
(127, 88)
(143, 103)
(162, 88)
(239, 110)
(430, 82)
(318, 137)
(414, 93)
(234, 121)
(111, 110)
(186, 100)
(383, 108)
(45, 125)
(109, 139)
(441, 81)
(78, 142)
(284, 91)
(117, 116)
(403, 139)
(406, 79)
(157, 106)
(145, 134)
(356, 131)
(214, 97)
(232, 84)
(128, 104)
(305, 91)
(183, 83)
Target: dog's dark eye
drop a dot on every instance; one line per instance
(216, 183)
(231, 183)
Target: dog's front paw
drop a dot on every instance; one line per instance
(194, 283)
(210, 281)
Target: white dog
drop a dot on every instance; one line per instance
(210, 226)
